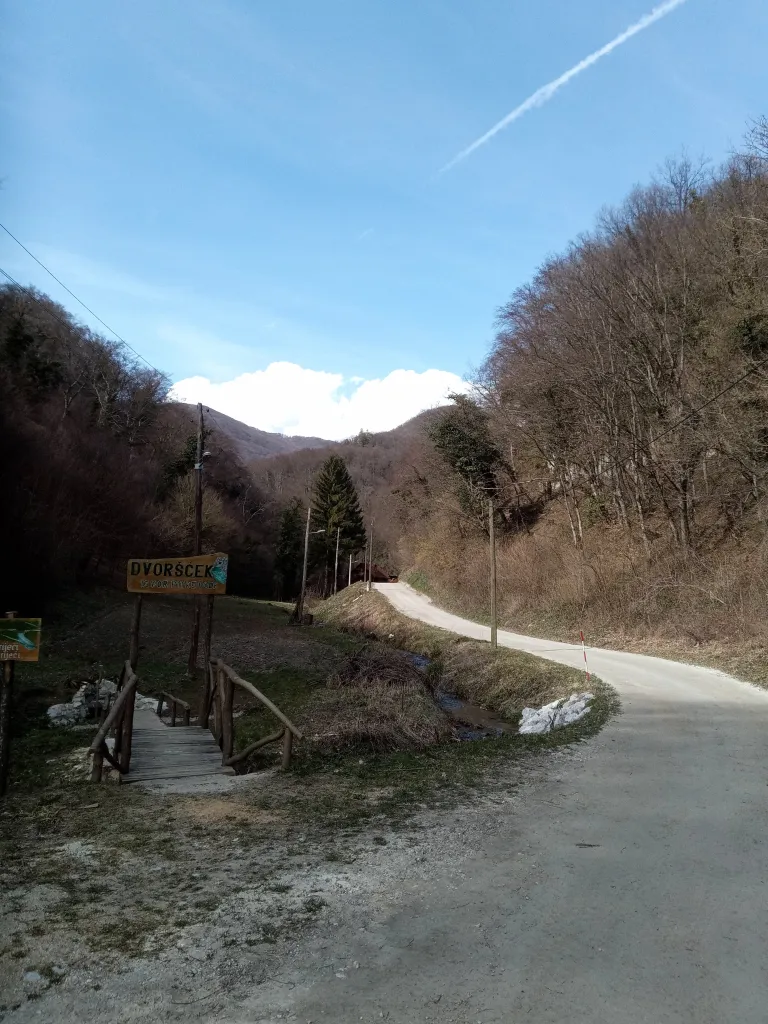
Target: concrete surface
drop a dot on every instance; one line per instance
(629, 886)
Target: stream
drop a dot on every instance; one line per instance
(470, 721)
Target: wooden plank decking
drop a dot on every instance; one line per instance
(161, 752)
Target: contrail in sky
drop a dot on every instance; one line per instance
(546, 92)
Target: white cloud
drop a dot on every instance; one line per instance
(290, 399)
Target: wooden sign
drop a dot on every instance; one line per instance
(201, 574)
(20, 639)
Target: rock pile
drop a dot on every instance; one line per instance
(86, 703)
(564, 711)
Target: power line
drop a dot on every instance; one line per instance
(49, 311)
(694, 412)
(69, 290)
(710, 401)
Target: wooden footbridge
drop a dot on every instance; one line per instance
(145, 749)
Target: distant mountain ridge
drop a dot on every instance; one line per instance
(251, 443)
(365, 447)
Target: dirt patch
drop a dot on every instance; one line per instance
(213, 810)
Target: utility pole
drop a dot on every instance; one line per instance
(298, 611)
(370, 561)
(192, 664)
(349, 581)
(336, 568)
(492, 537)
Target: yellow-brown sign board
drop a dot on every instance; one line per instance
(201, 574)
(20, 639)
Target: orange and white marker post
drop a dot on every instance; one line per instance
(584, 649)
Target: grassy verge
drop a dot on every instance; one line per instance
(77, 858)
(502, 680)
(706, 609)
(743, 657)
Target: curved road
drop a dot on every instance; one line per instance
(665, 918)
(628, 885)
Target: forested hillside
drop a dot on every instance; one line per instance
(95, 465)
(618, 424)
(391, 471)
(629, 385)
(249, 443)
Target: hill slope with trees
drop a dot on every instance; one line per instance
(96, 465)
(250, 443)
(618, 424)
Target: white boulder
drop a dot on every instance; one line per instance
(559, 713)
(66, 714)
(88, 699)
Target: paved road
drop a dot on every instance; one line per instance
(662, 918)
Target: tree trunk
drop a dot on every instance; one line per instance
(571, 519)
(685, 513)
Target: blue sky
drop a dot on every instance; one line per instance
(232, 184)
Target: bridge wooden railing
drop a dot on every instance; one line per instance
(173, 703)
(119, 721)
(222, 682)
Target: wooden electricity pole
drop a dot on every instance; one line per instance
(349, 581)
(192, 664)
(6, 708)
(370, 561)
(336, 568)
(207, 638)
(298, 611)
(492, 538)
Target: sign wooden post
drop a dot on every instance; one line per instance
(204, 688)
(133, 656)
(19, 641)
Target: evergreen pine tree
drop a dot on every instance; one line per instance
(290, 550)
(335, 506)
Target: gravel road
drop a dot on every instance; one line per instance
(629, 886)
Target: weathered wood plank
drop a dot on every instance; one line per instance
(161, 753)
(169, 773)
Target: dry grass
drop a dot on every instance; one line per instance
(707, 606)
(502, 680)
(376, 700)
